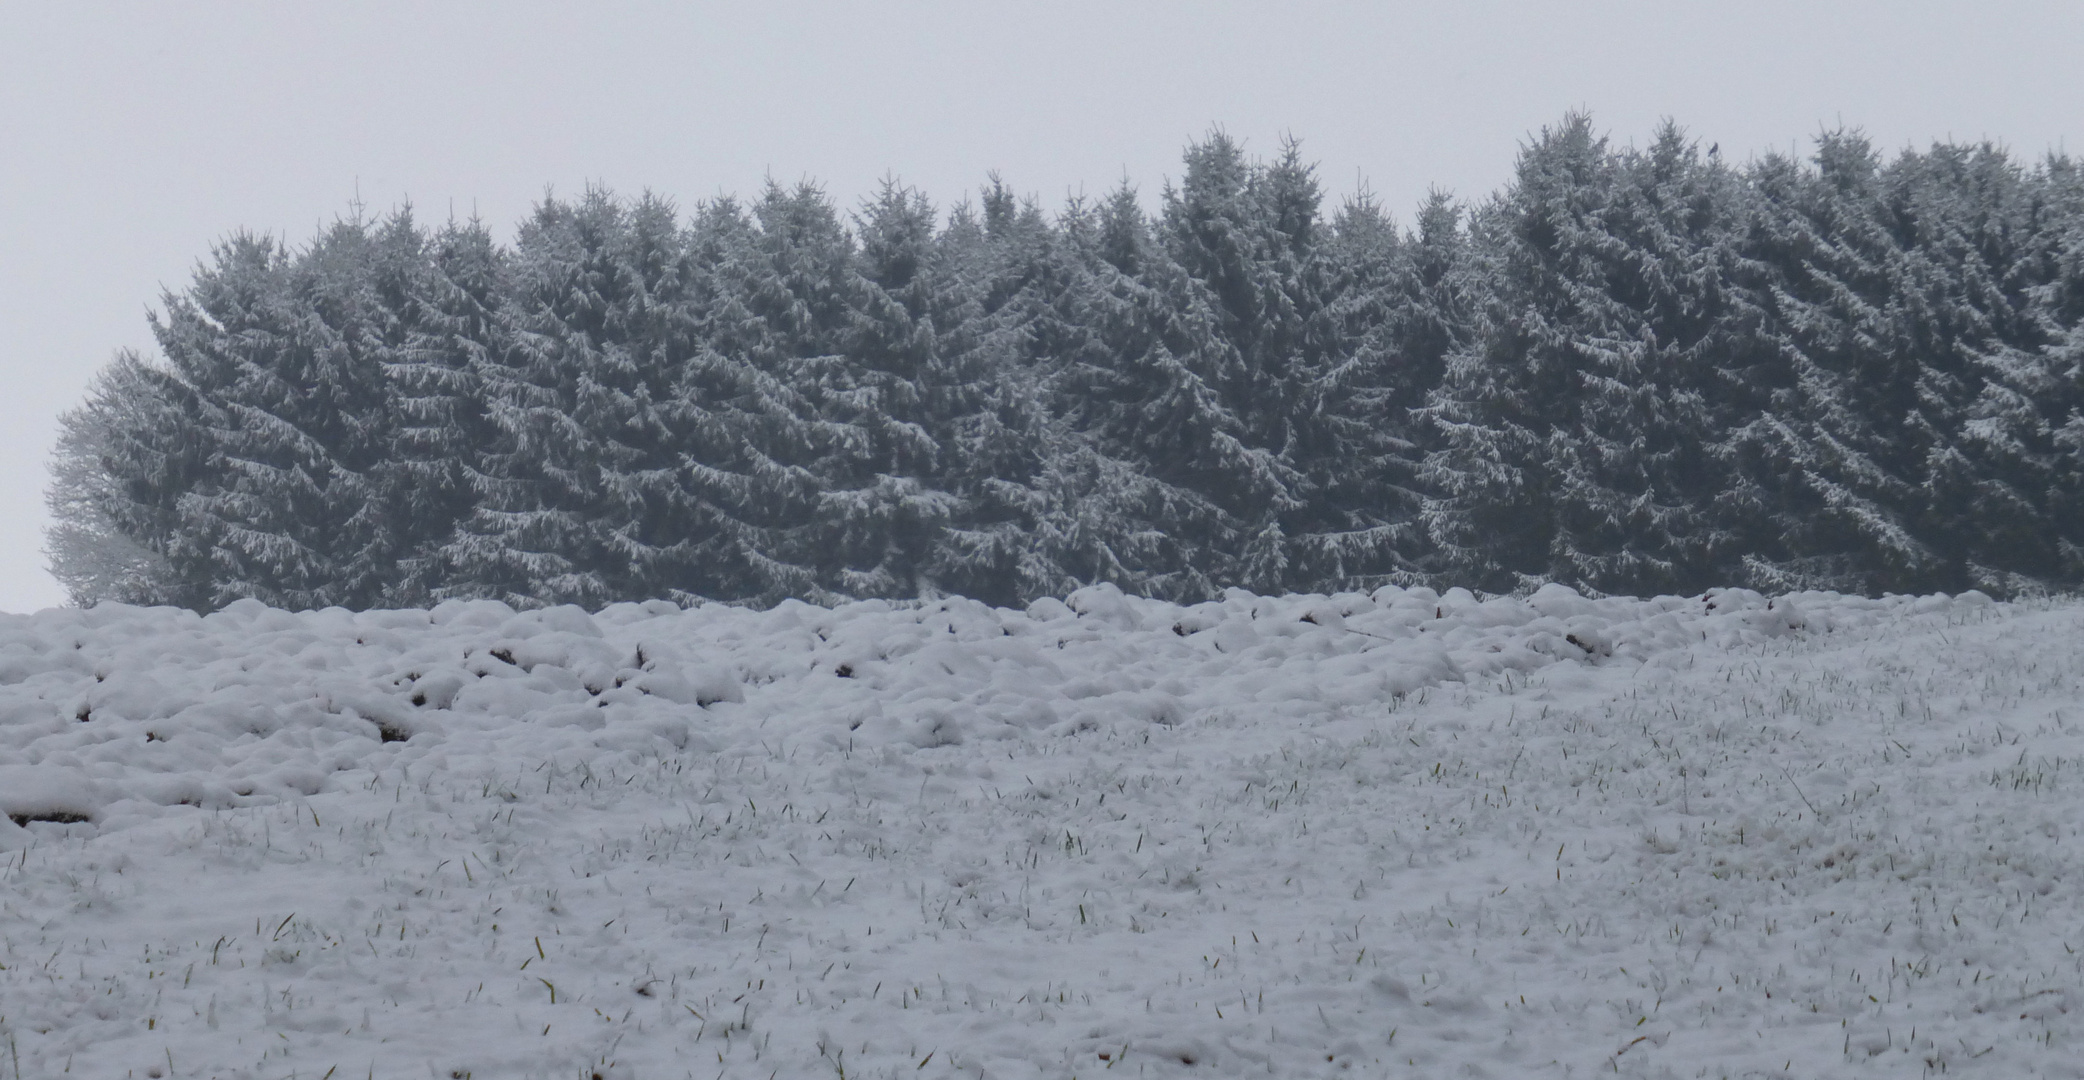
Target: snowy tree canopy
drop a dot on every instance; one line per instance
(1631, 370)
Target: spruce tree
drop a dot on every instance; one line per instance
(1142, 411)
(1890, 279)
(991, 404)
(881, 507)
(1353, 442)
(1965, 218)
(1581, 433)
(1244, 283)
(2024, 433)
(1688, 306)
(289, 351)
(123, 459)
(1508, 395)
(546, 501)
(1631, 370)
(740, 428)
(1048, 499)
(441, 419)
(782, 282)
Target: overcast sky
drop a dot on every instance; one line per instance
(133, 136)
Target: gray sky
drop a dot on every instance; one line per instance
(133, 136)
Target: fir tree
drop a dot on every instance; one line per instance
(123, 459)
(1354, 442)
(1688, 307)
(2024, 434)
(1132, 400)
(781, 317)
(743, 492)
(1964, 218)
(881, 507)
(1580, 432)
(1507, 394)
(1046, 511)
(439, 402)
(547, 504)
(1245, 285)
(991, 404)
(290, 352)
(1885, 291)
(1630, 370)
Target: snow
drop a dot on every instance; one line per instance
(1398, 834)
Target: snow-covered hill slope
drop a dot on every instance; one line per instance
(1352, 835)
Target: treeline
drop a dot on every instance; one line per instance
(1631, 370)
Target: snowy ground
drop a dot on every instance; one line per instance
(1347, 836)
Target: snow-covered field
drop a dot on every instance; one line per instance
(1404, 834)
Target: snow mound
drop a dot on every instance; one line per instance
(115, 713)
(1726, 835)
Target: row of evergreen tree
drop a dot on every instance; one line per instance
(1632, 370)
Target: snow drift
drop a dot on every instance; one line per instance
(1397, 834)
(113, 712)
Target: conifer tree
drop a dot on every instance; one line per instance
(881, 507)
(1135, 402)
(440, 411)
(1885, 291)
(1689, 310)
(123, 459)
(1244, 283)
(290, 352)
(1040, 493)
(749, 494)
(1965, 219)
(547, 500)
(2024, 434)
(713, 409)
(1580, 432)
(633, 401)
(784, 311)
(1631, 370)
(991, 404)
(1507, 394)
(1353, 438)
